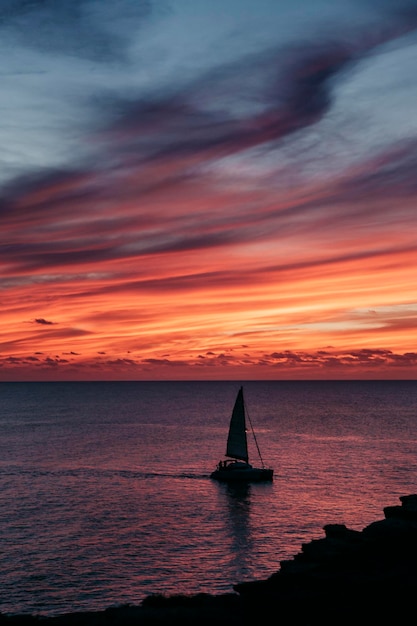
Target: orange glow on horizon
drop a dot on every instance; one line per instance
(209, 325)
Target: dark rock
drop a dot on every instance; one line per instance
(409, 502)
(399, 511)
(349, 576)
(340, 531)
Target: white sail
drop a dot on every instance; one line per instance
(237, 445)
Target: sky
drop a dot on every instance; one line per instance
(208, 190)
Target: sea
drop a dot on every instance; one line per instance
(106, 496)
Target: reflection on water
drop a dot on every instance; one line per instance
(239, 494)
(245, 505)
(237, 508)
(238, 504)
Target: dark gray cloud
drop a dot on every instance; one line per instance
(227, 111)
(83, 28)
(177, 127)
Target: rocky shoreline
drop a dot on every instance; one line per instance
(347, 577)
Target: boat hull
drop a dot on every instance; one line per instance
(252, 475)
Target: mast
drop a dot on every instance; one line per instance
(254, 437)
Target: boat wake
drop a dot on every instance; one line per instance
(93, 472)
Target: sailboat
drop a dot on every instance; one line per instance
(237, 467)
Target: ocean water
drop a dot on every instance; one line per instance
(105, 495)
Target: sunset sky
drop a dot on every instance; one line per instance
(208, 190)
